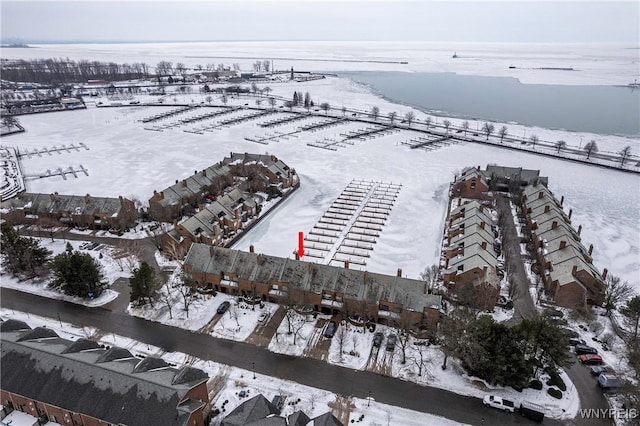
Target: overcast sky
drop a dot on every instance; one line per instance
(467, 21)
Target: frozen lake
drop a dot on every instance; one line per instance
(595, 109)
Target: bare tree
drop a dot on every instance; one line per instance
(409, 117)
(48, 225)
(297, 325)
(624, 153)
(534, 140)
(341, 337)
(617, 292)
(272, 102)
(590, 148)
(167, 298)
(421, 358)
(427, 121)
(465, 127)
(234, 312)
(289, 104)
(266, 90)
(375, 112)
(488, 128)
(560, 145)
(392, 116)
(325, 107)
(502, 132)
(446, 124)
(186, 288)
(405, 325)
(430, 277)
(451, 330)
(208, 99)
(224, 98)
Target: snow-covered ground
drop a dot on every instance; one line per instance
(595, 63)
(112, 268)
(141, 161)
(228, 382)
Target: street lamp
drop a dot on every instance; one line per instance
(253, 367)
(369, 399)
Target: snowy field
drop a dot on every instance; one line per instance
(226, 383)
(595, 64)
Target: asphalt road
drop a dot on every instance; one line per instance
(306, 371)
(523, 307)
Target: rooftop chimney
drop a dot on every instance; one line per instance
(570, 213)
(211, 250)
(561, 200)
(540, 194)
(554, 224)
(87, 199)
(251, 249)
(547, 208)
(579, 229)
(52, 196)
(346, 264)
(484, 245)
(605, 271)
(297, 255)
(563, 244)
(184, 182)
(574, 270)
(590, 249)
(399, 273)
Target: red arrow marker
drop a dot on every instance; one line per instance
(300, 244)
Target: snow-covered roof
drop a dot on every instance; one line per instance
(354, 284)
(98, 382)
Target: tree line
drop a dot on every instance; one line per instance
(54, 71)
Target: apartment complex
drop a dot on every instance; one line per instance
(85, 384)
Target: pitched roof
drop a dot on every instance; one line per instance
(254, 409)
(326, 419)
(313, 277)
(74, 204)
(111, 390)
(524, 175)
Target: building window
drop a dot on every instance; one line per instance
(473, 184)
(384, 307)
(339, 299)
(327, 296)
(461, 267)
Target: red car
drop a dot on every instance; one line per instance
(592, 359)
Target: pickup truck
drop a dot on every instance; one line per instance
(499, 403)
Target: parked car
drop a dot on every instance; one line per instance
(599, 369)
(330, 330)
(531, 411)
(264, 316)
(377, 339)
(576, 341)
(591, 359)
(499, 403)
(570, 333)
(610, 381)
(224, 306)
(584, 349)
(391, 342)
